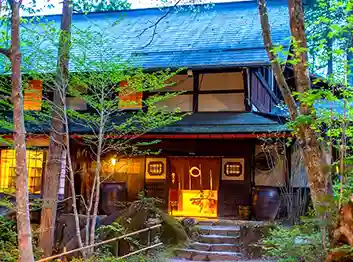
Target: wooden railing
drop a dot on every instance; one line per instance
(108, 241)
(261, 94)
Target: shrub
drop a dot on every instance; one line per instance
(161, 255)
(301, 242)
(8, 240)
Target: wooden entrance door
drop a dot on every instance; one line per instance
(193, 186)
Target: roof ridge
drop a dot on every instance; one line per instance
(200, 50)
(218, 4)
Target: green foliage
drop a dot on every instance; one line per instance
(96, 80)
(141, 214)
(328, 24)
(8, 241)
(84, 6)
(158, 255)
(302, 242)
(344, 190)
(138, 215)
(5, 202)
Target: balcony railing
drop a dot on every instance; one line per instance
(262, 96)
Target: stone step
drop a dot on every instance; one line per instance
(216, 247)
(240, 260)
(219, 230)
(218, 239)
(229, 222)
(198, 255)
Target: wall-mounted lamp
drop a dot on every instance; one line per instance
(189, 73)
(113, 161)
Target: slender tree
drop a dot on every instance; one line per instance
(19, 136)
(313, 154)
(52, 173)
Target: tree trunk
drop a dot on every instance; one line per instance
(52, 173)
(98, 169)
(19, 136)
(72, 181)
(96, 195)
(313, 156)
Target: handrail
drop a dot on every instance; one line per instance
(101, 243)
(141, 250)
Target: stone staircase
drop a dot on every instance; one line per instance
(218, 241)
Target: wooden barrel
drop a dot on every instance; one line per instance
(265, 203)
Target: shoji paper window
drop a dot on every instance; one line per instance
(129, 98)
(8, 174)
(33, 95)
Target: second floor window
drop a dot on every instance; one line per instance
(33, 95)
(129, 98)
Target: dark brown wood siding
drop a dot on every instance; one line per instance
(231, 194)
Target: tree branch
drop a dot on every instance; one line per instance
(282, 84)
(155, 24)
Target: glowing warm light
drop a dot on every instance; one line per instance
(193, 204)
(8, 175)
(32, 99)
(113, 160)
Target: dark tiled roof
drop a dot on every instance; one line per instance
(197, 123)
(223, 35)
(219, 123)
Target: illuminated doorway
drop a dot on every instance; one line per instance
(193, 190)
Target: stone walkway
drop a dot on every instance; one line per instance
(221, 241)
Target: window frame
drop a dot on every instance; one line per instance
(196, 92)
(11, 189)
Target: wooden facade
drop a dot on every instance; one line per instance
(202, 177)
(229, 144)
(209, 164)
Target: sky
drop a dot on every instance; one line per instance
(134, 4)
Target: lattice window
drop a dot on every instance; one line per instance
(8, 174)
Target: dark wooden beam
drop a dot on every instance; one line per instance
(247, 100)
(195, 136)
(218, 70)
(289, 162)
(195, 96)
(205, 92)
